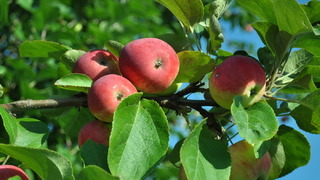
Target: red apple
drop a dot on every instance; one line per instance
(96, 64)
(95, 130)
(150, 64)
(7, 171)
(237, 76)
(106, 93)
(244, 165)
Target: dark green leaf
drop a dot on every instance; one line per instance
(4, 12)
(114, 47)
(303, 84)
(194, 65)
(94, 154)
(278, 157)
(24, 131)
(189, 12)
(75, 82)
(39, 48)
(178, 43)
(267, 59)
(215, 33)
(93, 172)
(307, 115)
(139, 137)
(257, 123)
(47, 164)
(174, 156)
(204, 157)
(70, 57)
(296, 148)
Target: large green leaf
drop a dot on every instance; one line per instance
(94, 154)
(93, 173)
(47, 164)
(256, 123)
(75, 82)
(288, 15)
(194, 65)
(296, 148)
(312, 9)
(189, 12)
(24, 131)
(204, 157)
(309, 42)
(307, 115)
(139, 137)
(39, 48)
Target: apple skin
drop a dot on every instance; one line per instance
(150, 64)
(97, 63)
(244, 165)
(106, 93)
(95, 130)
(237, 76)
(7, 171)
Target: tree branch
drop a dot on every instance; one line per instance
(43, 104)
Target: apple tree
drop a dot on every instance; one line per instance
(183, 123)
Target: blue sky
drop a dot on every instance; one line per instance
(305, 172)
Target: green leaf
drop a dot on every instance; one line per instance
(70, 57)
(204, 157)
(24, 131)
(94, 154)
(139, 137)
(312, 10)
(75, 82)
(257, 123)
(92, 172)
(114, 47)
(177, 42)
(39, 48)
(297, 61)
(278, 158)
(307, 115)
(194, 65)
(288, 15)
(309, 42)
(189, 12)
(267, 59)
(174, 156)
(303, 84)
(46, 163)
(26, 4)
(215, 34)
(296, 148)
(277, 41)
(216, 8)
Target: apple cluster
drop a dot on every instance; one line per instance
(148, 65)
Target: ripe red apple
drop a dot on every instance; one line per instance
(7, 171)
(150, 64)
(244, 165)
(95, 130)
(96, 64)
(106, 93)
(237, 76)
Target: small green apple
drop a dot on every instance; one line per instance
(244, 164)
(237, 76)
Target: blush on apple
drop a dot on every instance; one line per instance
(244, 164)
(95, 130)
(237, 76)
(96, 64)
(106, 93)
(150, 64)
(8, 171)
